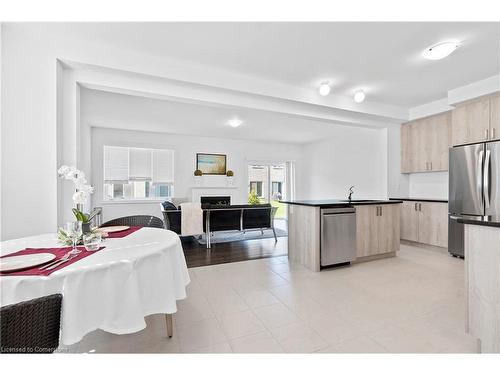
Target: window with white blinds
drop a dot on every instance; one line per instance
(140, 164)
(163, 163)
(138, 173)
(115, 164)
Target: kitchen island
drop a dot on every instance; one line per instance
(376, 229)
(482, 280)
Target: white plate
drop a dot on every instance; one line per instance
(117, 228)
(20, 262)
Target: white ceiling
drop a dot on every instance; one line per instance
(112, 110)
(382, 58)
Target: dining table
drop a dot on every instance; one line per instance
(112, 289)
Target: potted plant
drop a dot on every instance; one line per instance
(253, 198)
(230, 177)
(197, 177)
(82, 193)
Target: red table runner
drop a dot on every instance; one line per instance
(123, 233)
(59, 252)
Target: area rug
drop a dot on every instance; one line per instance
(232, 236)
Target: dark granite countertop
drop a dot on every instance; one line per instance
(331, 203)
(489, 221)
(421, 200)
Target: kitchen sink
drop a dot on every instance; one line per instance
(359, 200)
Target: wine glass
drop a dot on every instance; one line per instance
(92, 241)
(74, 231)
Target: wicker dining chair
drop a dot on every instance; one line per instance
(31, 326)
(136, 221)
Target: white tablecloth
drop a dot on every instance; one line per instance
(114, 289)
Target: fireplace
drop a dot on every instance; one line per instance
(220, 200)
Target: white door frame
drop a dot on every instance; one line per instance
(289, 175)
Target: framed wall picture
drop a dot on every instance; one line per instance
(211, 163)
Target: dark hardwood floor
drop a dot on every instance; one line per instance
(198, 255)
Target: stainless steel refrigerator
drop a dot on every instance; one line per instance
(474, 187)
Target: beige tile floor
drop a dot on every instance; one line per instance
(411, 303)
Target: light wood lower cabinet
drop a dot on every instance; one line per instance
(425, 222)
(433, 223)
(389, 223)
(366, 230)
(377, 229)
(304, 235)
(409, 221)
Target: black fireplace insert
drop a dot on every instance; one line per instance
(216, 200)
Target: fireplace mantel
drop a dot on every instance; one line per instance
(214, 187)
(207, 191)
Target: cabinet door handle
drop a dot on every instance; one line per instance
(381, 212)
(416, 206)
(420, 206)
(486, 132)
(493, 133)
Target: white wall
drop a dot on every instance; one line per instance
(1, 106)
(429, 185)
(239, 153)
(31, 118)
(397, 183)
(29, 178)
(351, 156)
(414, 185)
(324, 170)
(29, 133)
(354, 156)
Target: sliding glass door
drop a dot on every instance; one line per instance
(269, 183)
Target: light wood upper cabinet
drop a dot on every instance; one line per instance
(425, 222)
(377, 229)
(471, 122)
(406, 149)
(425, 143)
(419, 145)
(495, 117)
(438, 137)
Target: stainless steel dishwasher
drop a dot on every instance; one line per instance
(338, 235)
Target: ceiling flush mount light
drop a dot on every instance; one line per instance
(359, 96)
(324, 89)
(440, 51)
(235, 122)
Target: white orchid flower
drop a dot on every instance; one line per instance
(79, 197)
(80, 182)
(83, 189)
(72, 173)
(63, 171)
(87, 189)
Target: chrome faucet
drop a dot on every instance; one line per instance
(350, 193)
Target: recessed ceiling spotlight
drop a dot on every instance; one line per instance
(440, 51)
(324, 89)
(235, 122)
(359, 96)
